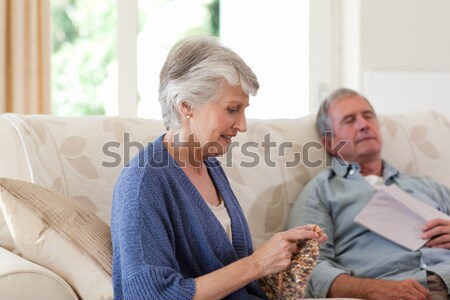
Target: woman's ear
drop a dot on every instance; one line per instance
(185, 109)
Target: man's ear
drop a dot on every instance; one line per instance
(327, 143)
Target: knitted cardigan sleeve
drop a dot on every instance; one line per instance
(144, 263)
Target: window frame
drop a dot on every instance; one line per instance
(327, 52)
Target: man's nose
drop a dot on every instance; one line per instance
(362, 123)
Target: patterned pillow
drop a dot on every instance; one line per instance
(61, 235)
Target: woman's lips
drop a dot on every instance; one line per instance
(228, 138)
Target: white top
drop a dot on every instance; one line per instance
(375, 181)
(222, 215)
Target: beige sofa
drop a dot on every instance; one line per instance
(58, 247)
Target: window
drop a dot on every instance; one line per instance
(271, 36)
(161, 24)
(84, 59)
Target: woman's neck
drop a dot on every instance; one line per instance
(185, 150)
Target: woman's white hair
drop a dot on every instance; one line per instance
(195, 72)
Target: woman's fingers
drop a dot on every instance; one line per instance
(295, 234)
(306, 227)
(309, 231)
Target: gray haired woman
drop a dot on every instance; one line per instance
(177, 228)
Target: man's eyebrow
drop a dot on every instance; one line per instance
(368, 111)
(361, 112)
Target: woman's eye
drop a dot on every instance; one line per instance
(233, 109)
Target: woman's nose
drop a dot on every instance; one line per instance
(241, 123)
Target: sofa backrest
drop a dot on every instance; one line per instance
(80, 157)
(267, 166)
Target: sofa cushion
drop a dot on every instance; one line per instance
(418, 143)
(61, 235)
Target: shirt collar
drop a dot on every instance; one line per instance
(389, 171)
(343, 168)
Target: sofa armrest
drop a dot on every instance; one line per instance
(22, 279)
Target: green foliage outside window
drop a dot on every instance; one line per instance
(214, 11)
(84, 50)
(84, 54)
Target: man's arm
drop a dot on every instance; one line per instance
(438, 230)
(311, 207)
(376, 289)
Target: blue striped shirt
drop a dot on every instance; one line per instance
(332, 200)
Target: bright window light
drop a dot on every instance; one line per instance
(273, 38)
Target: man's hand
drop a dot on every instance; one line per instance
(408, 289)
(438, 231)
(377, 289)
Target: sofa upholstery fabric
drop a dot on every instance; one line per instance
(267, 166)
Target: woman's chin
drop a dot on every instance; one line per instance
(218, 149)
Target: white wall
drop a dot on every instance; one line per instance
(405, 35)
(405, 54)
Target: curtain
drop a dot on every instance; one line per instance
(25, 53)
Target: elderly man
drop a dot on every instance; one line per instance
(356, 262)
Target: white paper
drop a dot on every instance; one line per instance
(397, 216)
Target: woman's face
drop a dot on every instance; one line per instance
(215, 124)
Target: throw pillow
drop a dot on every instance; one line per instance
(6, 240)
(56, 232)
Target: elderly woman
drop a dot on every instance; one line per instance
(177, 228)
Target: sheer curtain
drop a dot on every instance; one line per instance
(25, 53)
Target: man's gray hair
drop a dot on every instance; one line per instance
(195, 71)
(323, 120)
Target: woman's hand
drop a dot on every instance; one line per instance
(275, 255)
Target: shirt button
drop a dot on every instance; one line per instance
(424, 266)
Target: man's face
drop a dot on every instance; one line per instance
(354, 121)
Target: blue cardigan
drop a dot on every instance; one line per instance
(164, 234)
